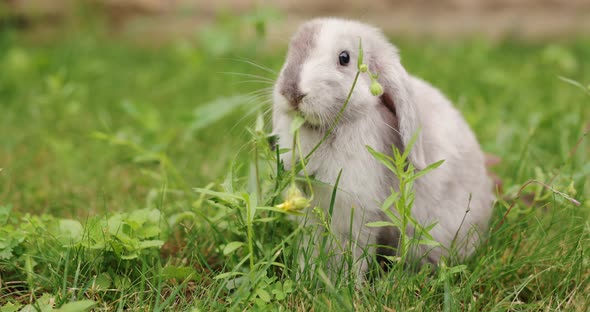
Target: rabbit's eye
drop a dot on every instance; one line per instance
(344, 58)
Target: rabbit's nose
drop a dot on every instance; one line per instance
(293, 95)
(297, 100)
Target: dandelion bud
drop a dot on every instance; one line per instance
(376, 88)
(295, 201)
(286, 206)
(300, 203)
(363, 68)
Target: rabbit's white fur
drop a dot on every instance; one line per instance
(442, 196)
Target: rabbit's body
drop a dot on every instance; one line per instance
(315, 82)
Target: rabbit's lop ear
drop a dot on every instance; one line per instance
(398, 98)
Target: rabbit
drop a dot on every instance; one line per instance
(317, 75)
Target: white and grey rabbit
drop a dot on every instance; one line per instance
(314, 82)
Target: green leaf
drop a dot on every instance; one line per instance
(457, 269)
(114, 224)
(251, 206)
(142, 216)
(178, 272)
(427, 169)
(69, 231)
(259, 127)
(5, 213)
(175, 219)
(102, 281)
(279, 294)
(263, 295)
(122, 282)
(31, 308)
(297, 122)
(151, 244)
(380, 224)
(231, 247)
(129, 256)
(430, 227)
(78, 306)
(226, 196)
(228, 182)
(390, 200)
(42, 304)
(278, 264)
(227, 274)
(428, 242)
(148, 231)
(382, 158)
(10, 307)
(410, 145)
(333, 197)
(393, 217)
(6, 247)
(288, 286)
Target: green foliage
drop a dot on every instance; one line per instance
(38, 246)
(46, 304)
(403, 200)
(125, 234)
(10, 237)
(251, 206)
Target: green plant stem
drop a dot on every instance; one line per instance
(250, 234)
(338, 117)
(257, 169)
(298, 139)
(301, 163)
(402, 208)
(293, 153)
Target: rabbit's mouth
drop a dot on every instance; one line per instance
(315, 117)
(310, 121)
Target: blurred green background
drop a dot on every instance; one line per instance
(140, 70)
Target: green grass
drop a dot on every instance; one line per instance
(95, 129)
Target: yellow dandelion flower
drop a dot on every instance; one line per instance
(295, 201)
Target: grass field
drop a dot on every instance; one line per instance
(99, 134)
